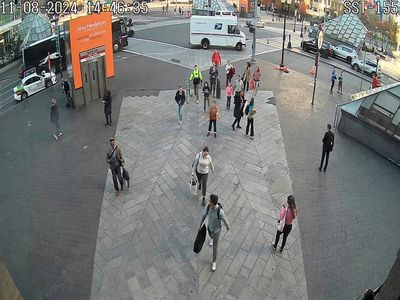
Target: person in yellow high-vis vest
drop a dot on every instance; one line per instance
(197, 78)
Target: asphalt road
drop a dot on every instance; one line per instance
(181, 37)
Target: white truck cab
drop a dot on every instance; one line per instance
(216, 31)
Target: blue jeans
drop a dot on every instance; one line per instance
(180, 111)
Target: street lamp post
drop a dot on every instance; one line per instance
(273, 10)
(318, 41)
(253, 47)
(296, 4)
(284, 3)
(301, 33)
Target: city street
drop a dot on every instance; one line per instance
(66, 235)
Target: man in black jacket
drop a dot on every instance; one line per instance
(327, 146)
(107, 107)
(180, 100)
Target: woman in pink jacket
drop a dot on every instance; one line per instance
(256, 78)
(287, 215)
(229, 93)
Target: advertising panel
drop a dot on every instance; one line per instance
(86, 35)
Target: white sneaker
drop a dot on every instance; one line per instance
(214, 266)
(60, 134)
(180, 123)
(197, 101)
(55, 136)
(210, 242)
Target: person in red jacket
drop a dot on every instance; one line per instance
(216, 58)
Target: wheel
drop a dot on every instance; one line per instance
(48, 83)
(355, 67)
(116, 47)
(305, 49)
(24, 96)
(205, 44)
(348, 60)
(238, 46)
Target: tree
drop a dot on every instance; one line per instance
(302, 8)
(337, 7)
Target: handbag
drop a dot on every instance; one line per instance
(200, 238)
(252, 85)
(193, 185)
(281, 223)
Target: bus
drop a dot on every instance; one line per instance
(119, 34)
(36, 55)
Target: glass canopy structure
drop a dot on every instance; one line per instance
(373, 117)
(347, 28)
(34, 27)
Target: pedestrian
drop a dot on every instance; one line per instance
(187, 88)
(287, 215)
(197, 78)
(238, 85)
(206, 93)
(239, 102)
(163, 9)
(340, 83)
(229, 92)
(328, 142)
(66, 88)
(213, 117)
(180, 11)
(216, 58)
(256, 78)
(115, 161)
(230, 72)
(201, 165)
(107, 107)
(180, 100)
(246, 76)
(215, 214)
(213, 72)
(376, 82)
(250, 111)
(333, 79)
(55, 118)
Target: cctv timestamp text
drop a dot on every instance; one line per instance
(34, 7)
(386, 7)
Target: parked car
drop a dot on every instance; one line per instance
(346, 53)
(310, 46)
(369, 67)
(34, 83)
(260, 23)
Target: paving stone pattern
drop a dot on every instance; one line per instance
(146, 234)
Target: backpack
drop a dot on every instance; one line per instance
(219, 209)
(247, 110)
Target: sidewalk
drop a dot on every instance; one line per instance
(145, 240)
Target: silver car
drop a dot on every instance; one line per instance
(346, 53)
(368, 67)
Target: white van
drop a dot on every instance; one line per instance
(216, 31)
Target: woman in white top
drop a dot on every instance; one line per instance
(201, 166)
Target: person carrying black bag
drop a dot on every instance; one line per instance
(115, 161)
(327, 146)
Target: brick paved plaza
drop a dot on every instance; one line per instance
(146, 234)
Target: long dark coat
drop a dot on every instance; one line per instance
(107, 103)
(239, 105)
